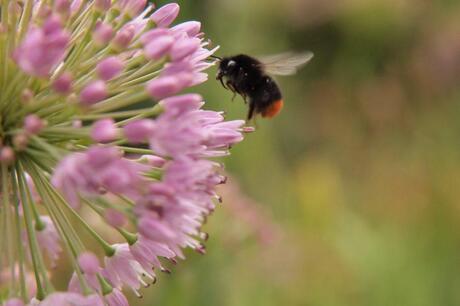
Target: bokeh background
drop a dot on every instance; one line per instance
(351, 196)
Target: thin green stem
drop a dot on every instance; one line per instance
(135, 150)
(108, 249)
(25, 18)
(19, 245)
(39, 225)
(9, 230)
(34, 250)
(73, 245)
(131, 238)
(155, 111)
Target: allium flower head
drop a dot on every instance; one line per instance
(93, 116)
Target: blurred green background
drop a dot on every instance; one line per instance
(351, 196)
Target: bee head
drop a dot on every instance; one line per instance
(226, 67)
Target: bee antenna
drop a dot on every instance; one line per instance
(216, 57)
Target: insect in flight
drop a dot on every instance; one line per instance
(250, 78)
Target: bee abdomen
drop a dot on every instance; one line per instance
(273, 109)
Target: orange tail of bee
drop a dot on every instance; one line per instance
(272, 110)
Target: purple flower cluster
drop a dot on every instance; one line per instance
(69, 143)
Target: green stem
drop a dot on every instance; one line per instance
(155, 111)
(34, 250)
(108, 249)
(72, 244)
(19, 245)
(25, 18)
(117, 115)
(135, 150)
(131, 238)
(7, 211)
(121, 100)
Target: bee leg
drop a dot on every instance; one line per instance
(222, 82)
(232, 88)
(255, 123)
(251, 110)
(245, 98)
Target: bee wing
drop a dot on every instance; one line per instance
(285, 63)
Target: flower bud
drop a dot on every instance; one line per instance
(123, 38)
(20, 141)
(184, 47)
(166, 86)
(158, 47)
(192, 28)
(104, 130)
(63, 84)
(139, 131)
(7, 155)
(132, 7)
(33, 124)
(183, 103)
(153, 160)
(26, 96)
(102, 5)
(114, 217)
(62, 7)
(102, 34)
(94, 92)
(109, 68)
(88, 262)
(165, 15)
(14, 302)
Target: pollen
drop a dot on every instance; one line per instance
(272, 110)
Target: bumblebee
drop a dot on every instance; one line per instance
(250, 78)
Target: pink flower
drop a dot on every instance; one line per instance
(62, 6)
(191, 28)
(102, 5)
(139, 131)
(104, 130)
(184, 47)
(33, 124)
(76, 79)
(147, 251)
(99, 168)
(71, 299)
(223, 134)
(103, 33)
(153, 160)
(183, 129)
(116, 298)
(114, 217)
(42, 48)
(63, 84)
(123, 269)
(158, 47)
(166, 86)
(109, 68)
(93, 92)
(49, 239)
(171, 213)
(14, 302)
(7, 155)
(69, 178)
(123, 37)
(165, 15)
(132, 7)
(89, 264)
